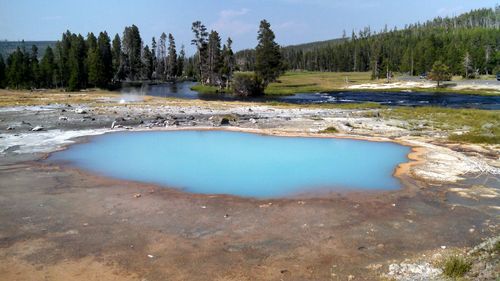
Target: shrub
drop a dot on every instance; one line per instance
(456, 266)
(247, 84)
(329, 130)
(440, 72)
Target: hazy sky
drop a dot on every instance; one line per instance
(294, 21)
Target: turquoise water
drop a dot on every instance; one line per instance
(243, 164)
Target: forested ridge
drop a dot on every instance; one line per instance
(469, 44)
(8, 47)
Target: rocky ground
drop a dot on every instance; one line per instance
(58, 223)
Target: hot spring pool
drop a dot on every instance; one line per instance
(243, 164)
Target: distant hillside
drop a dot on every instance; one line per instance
(468, 44)
(316, 44)
(245, 59)
(8, 47)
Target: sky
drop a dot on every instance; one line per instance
(293, 21)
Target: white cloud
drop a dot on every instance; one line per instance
(230, 21)
(233, 13)
(290, 25)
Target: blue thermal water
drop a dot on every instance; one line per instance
(243, 164)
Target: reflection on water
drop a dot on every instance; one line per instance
(183, 90)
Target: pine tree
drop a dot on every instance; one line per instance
(2, 72)
(77, 75)
(132, 46)
(214, 58)
(147, 63)
(162, 57)
(155, 60)
(93, 61)
(64, 56)
(268, 60)
(15, 65)
(34, 67)
(116, 55)
(228, 62)
(172, 57)
(439, 72)
(180, 62)
(200, 41)
(106, 58)
(47, 69)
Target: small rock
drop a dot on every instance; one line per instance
(443, 247)
(137, 195)
(173, 123)
(63, 118)
(10, 128)
(151, 256)
(253, 121)
(80, 111)
(37, 128)
(471, 230)
(226, 216)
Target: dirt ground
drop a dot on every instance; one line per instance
(59, 223)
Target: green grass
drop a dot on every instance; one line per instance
(456, 266)
(205, 89)
(480, 126)
(310, 81)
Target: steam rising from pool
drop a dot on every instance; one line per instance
(243, 164)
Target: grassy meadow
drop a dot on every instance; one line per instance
(310, 81)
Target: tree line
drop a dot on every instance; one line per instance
(77, 62)
(468, 45)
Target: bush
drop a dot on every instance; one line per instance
(247, 84)
(329, 130)
(456, 267)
